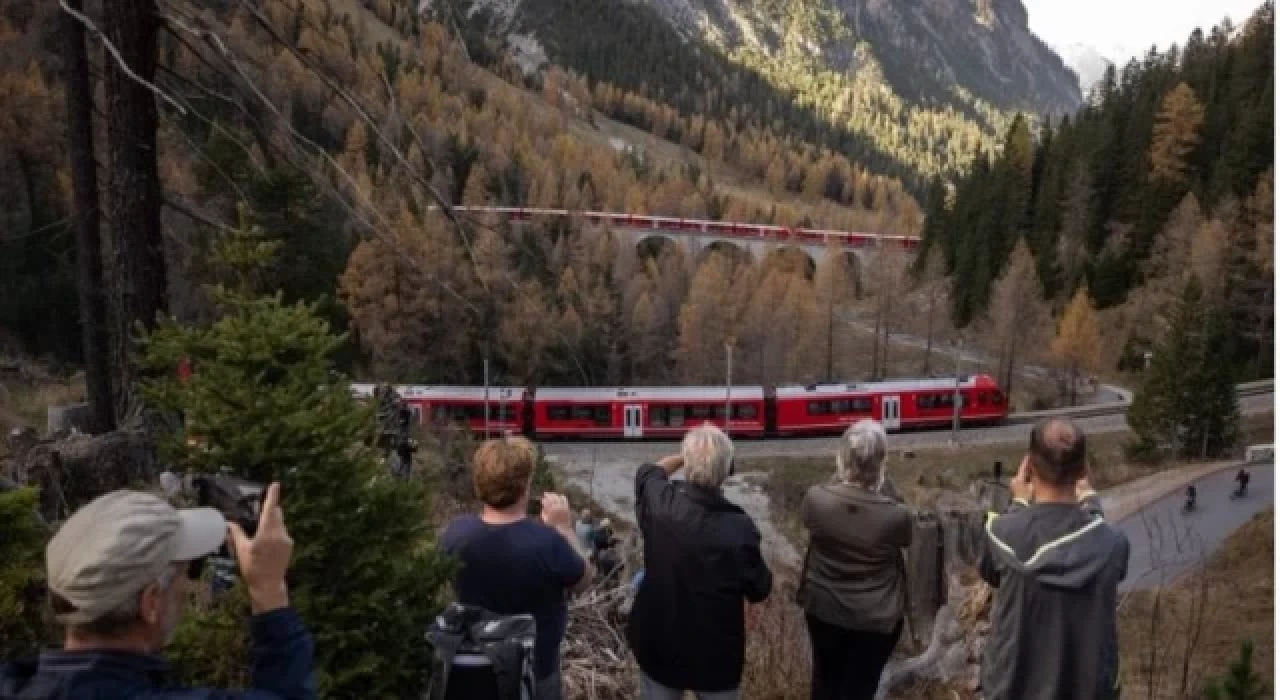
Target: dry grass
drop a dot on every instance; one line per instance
(1240, 586)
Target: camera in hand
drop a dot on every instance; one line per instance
(239, 500)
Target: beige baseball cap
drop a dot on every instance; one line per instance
(119, 544)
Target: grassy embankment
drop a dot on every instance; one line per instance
(1236, 597)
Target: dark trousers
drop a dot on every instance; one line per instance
(847, 663)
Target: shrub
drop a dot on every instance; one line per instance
(265, 404)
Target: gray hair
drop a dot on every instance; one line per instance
(707, 454)
(860, 458)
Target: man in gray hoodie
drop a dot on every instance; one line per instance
(1056, 565)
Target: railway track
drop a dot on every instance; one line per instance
(1258, 388)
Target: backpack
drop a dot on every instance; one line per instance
(479, 655)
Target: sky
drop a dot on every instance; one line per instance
(1120, 29)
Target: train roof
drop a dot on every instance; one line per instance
(467, 393)
(940, 383)
(656, 393)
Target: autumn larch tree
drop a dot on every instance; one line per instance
(1018, 316)
(1077, 347)
(834, 286)
(1175, 134)
(934, 293)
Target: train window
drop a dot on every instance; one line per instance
(658, 415)
(440, 413)
(603, 415)
(583, 413)
(860, 405)
(819, 408)
(744, 411)
(558, 412)
(717, 412)
(699, 411)
(502, 413)
(677, 416)
(841, 406)
(926, 402)
(997, 398)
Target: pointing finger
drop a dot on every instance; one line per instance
(271, 517)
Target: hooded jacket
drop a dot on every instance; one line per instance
(281, 659)
(1056, 568)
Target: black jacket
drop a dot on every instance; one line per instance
(702, 559)
(1056, 567)
(281, 668)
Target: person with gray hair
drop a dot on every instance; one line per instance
(702, 560)
(853, 583)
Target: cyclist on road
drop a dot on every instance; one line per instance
(1242, 478)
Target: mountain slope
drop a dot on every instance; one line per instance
(911, 92)
(1088, 63)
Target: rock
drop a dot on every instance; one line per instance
(64, 419)
(75, 470)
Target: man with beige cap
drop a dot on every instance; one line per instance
(117, 576)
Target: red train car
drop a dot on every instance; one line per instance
(461, 405)
(645, 412)
(912, 403)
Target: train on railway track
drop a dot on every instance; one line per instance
(667, 412)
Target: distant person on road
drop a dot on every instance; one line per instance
(516, 564)
(1242, 478)
(702, 560)
(853, 587)
(1191, 497)
(1056, 565)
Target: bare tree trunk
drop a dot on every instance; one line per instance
(875, 347)
(133, 185)
(1008, 370)
(884, 344)
(928, 340)
(84, 180)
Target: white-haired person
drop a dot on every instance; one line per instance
(702, 561)
(853, 586)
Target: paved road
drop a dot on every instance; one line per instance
(1165, 543)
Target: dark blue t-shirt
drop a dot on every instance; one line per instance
(523, 567)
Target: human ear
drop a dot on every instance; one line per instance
(151, 604)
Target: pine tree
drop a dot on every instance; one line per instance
(1187, 399)
(1241, 682)
(268, 406)
(22, 599)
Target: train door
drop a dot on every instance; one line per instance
(890, 412)
(632, 421)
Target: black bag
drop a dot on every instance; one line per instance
(479, 655)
